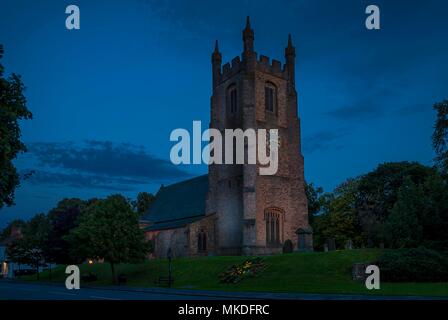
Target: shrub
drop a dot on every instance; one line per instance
(413, 265)
(288, 246)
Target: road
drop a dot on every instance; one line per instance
(31, 291)
(19, 290)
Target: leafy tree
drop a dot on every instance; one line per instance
(144, 200)
(378, 192)
(314, 197)
(6, 233)
(63, 218)
(435, 217)
(109, 229)
(420, 215)
(339, 219)
(30, 249)
(15, 252)
(12, 109)
(440, 136)
(403, 227)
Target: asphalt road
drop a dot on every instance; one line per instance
(30, 291)
(16, 290)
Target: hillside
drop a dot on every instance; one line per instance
(314, 272)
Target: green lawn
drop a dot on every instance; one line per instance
(314, 272)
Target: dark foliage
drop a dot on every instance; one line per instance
(12, 109)
(413, 265)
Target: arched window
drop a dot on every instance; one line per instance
(273, 218)
(270, 97)
(232, 100)
(202, 241)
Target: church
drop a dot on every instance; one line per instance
(233, 210)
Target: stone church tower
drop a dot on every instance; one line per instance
(255, 214)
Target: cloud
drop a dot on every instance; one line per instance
(82, 181)
(323, 140)
(99, 164)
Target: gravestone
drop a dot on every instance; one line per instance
(359, 271)
(331, 244)
(349, 245)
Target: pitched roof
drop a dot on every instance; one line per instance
(178, 204)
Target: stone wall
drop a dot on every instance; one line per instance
(176, 239)
(207, 225)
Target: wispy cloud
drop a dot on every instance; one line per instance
(98, 164)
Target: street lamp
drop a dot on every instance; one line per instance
(169, 256)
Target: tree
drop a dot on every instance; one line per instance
(440, 136)
(30, 249)
(63, 218)
(435, 218)
(144, 200)
(339, 218)
(12, 109)
(378, 192)
(314, 197)
(109, 230)
(420, 215)
(16, 252)
(403, 227)
(6, 232)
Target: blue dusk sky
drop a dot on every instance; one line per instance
(105, 98)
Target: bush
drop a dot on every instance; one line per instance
(413, 265)
(288, 246)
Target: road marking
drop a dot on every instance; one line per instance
(105, 298)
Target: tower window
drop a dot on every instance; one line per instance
(273, 220)
(270, 97)
(232, 100)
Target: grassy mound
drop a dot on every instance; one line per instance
(314, 272)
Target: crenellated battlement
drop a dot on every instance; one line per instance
(263, 63)
(230, 69)
(251, 62)
(274, 67)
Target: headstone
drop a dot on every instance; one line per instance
(349, 245)
(331, 244)
(326, 247)
(359, 271)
